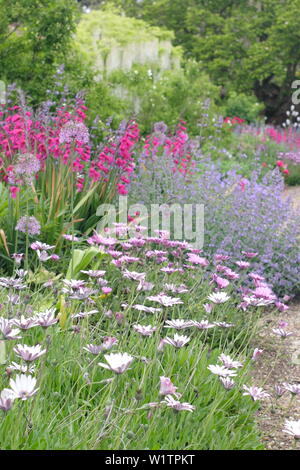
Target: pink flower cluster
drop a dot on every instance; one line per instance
(174, 147)
(117, 155)
(62, 136)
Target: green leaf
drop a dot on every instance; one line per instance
(84, 199)
(2, 352)
(81, 260)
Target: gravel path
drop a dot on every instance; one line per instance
(294, 193)
(280, 362)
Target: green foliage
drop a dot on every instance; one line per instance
(293, 178)
(99, 31)
(165, 96)
(81, 260)
(34, 38)
(243, 106)
(243, 45)
(81, 405)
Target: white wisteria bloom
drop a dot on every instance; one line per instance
(117, 362)
(218, 297)
(293, 428)
(23, 386)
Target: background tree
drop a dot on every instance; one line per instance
(244, 45)
(35, 37)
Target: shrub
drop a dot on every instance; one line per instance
(241, 214)
(243, 106)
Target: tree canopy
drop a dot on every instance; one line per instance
(244, 45)
(34, 38)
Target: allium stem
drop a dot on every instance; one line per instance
(27, 239)
(72, 228)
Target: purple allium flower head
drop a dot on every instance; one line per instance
(74, 131)
(160, 127)
(26, 166)
(28, 225)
